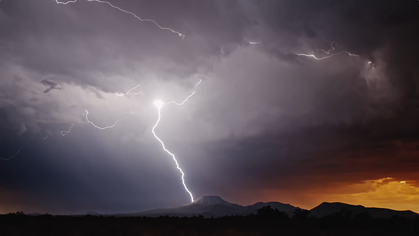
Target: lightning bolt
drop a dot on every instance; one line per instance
(159, 104)
(98, 127)
(128, 12)
(65, 132)
(17, 153)
(129, 92)
(181, 103)
(186, 99)
(328, 53)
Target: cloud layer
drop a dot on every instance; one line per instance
(264, 124)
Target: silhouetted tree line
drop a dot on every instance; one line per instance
(267, 221)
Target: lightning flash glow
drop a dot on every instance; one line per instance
(329, 53)
(159, 104)
(128, 12)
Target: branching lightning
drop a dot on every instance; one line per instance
(181, 103)
(62, 132)
(17, 153)
(105, 127)
(128, 12)
(328, 53)
(129, 92)
(65, 132)
(186, 99)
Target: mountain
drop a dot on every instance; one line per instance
(207, 206)
(387, 213)
(287, 208)
(211, 200)
(214, 206)
(327, 208)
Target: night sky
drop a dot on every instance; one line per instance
(265, 124)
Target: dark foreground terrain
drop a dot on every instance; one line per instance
(266, 222)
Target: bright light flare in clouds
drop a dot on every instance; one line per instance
(159, 104)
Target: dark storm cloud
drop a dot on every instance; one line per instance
(51, 85)
(356, 113)
(362, 27)
(80, 46)
(263, 117)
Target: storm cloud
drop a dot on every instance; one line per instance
(264, 123)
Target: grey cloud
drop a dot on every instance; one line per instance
(51, 85)
(262, 113)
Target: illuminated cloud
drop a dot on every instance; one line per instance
(386, 193)
(271, 124)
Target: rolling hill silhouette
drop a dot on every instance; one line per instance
(327, 208)
(215, 206)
